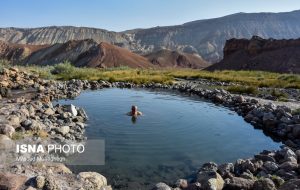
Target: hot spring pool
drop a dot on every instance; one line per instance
(176, 134)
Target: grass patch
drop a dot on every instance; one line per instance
(296, 111)
(252, 79)
(279, 95)
(243, 89)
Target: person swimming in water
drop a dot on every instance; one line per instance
(134, 112)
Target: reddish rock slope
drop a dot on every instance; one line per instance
(168, 58)
(281, 56)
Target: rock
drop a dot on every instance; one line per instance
(26, 124)
(247, 175)
(293, 184)
(82, 113)
(106, 188)
(278, 181)
(288, 166)
(265, 158)
(181, 183)
(219, 98)
(63, 130)
(61, 168)
(271, 166)
(210, 180)
(92, 180)
(240, 99)
(14, 120)
(237, 183)
(7, 130)
(51, 184)
(40, 182)
(49, 111)
(296, 130)
(269, 120)
(11, 181)
(41, 88)
(72, 109)
(264, 184)
(161, 186)
(289, 153)
(5, 92)
(298, 154)
(30, 188)
(225, 169)
(5, 142)
(290, 159)
(209, 166)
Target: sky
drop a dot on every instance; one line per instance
(120, 15)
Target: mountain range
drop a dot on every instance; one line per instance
(204, 37)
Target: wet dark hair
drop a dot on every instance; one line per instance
(133, 107)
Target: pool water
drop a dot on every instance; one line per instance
(176, 134)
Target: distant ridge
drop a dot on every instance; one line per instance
(207, 37)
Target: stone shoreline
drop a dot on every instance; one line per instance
(267, 170)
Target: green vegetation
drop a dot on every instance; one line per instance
(248, 81)
(3, 64)
(280, 95)
(243, 89)
(296, 111)
(18, 135)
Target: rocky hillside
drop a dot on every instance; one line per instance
(17, 52)
(260, 54)
(87, 53)
(206, 37)
(168, 58)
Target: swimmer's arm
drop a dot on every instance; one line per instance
(139, 113)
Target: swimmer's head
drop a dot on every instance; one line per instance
(134, 108)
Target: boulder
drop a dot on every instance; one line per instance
(210, 180)
(40, 182)
(269, 120)
(270, 166)
(82, 113)
(5, 142)
(49, 111)
(293, 184)
(63, 130)
(7, 130)
(14, 120)
(264, 184)
(225, 169)
(10, 181)
(51, 183)
(72, 109)
(5, 92)
(288, 166)
(237, 183)
(161, 186)
(239, 99)
(296, 130)
(181, 183)
(92, 180)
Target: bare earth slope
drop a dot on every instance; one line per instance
(206, 37)
(260, 54)
(88, 53)
(168, 58)
(17, 52)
